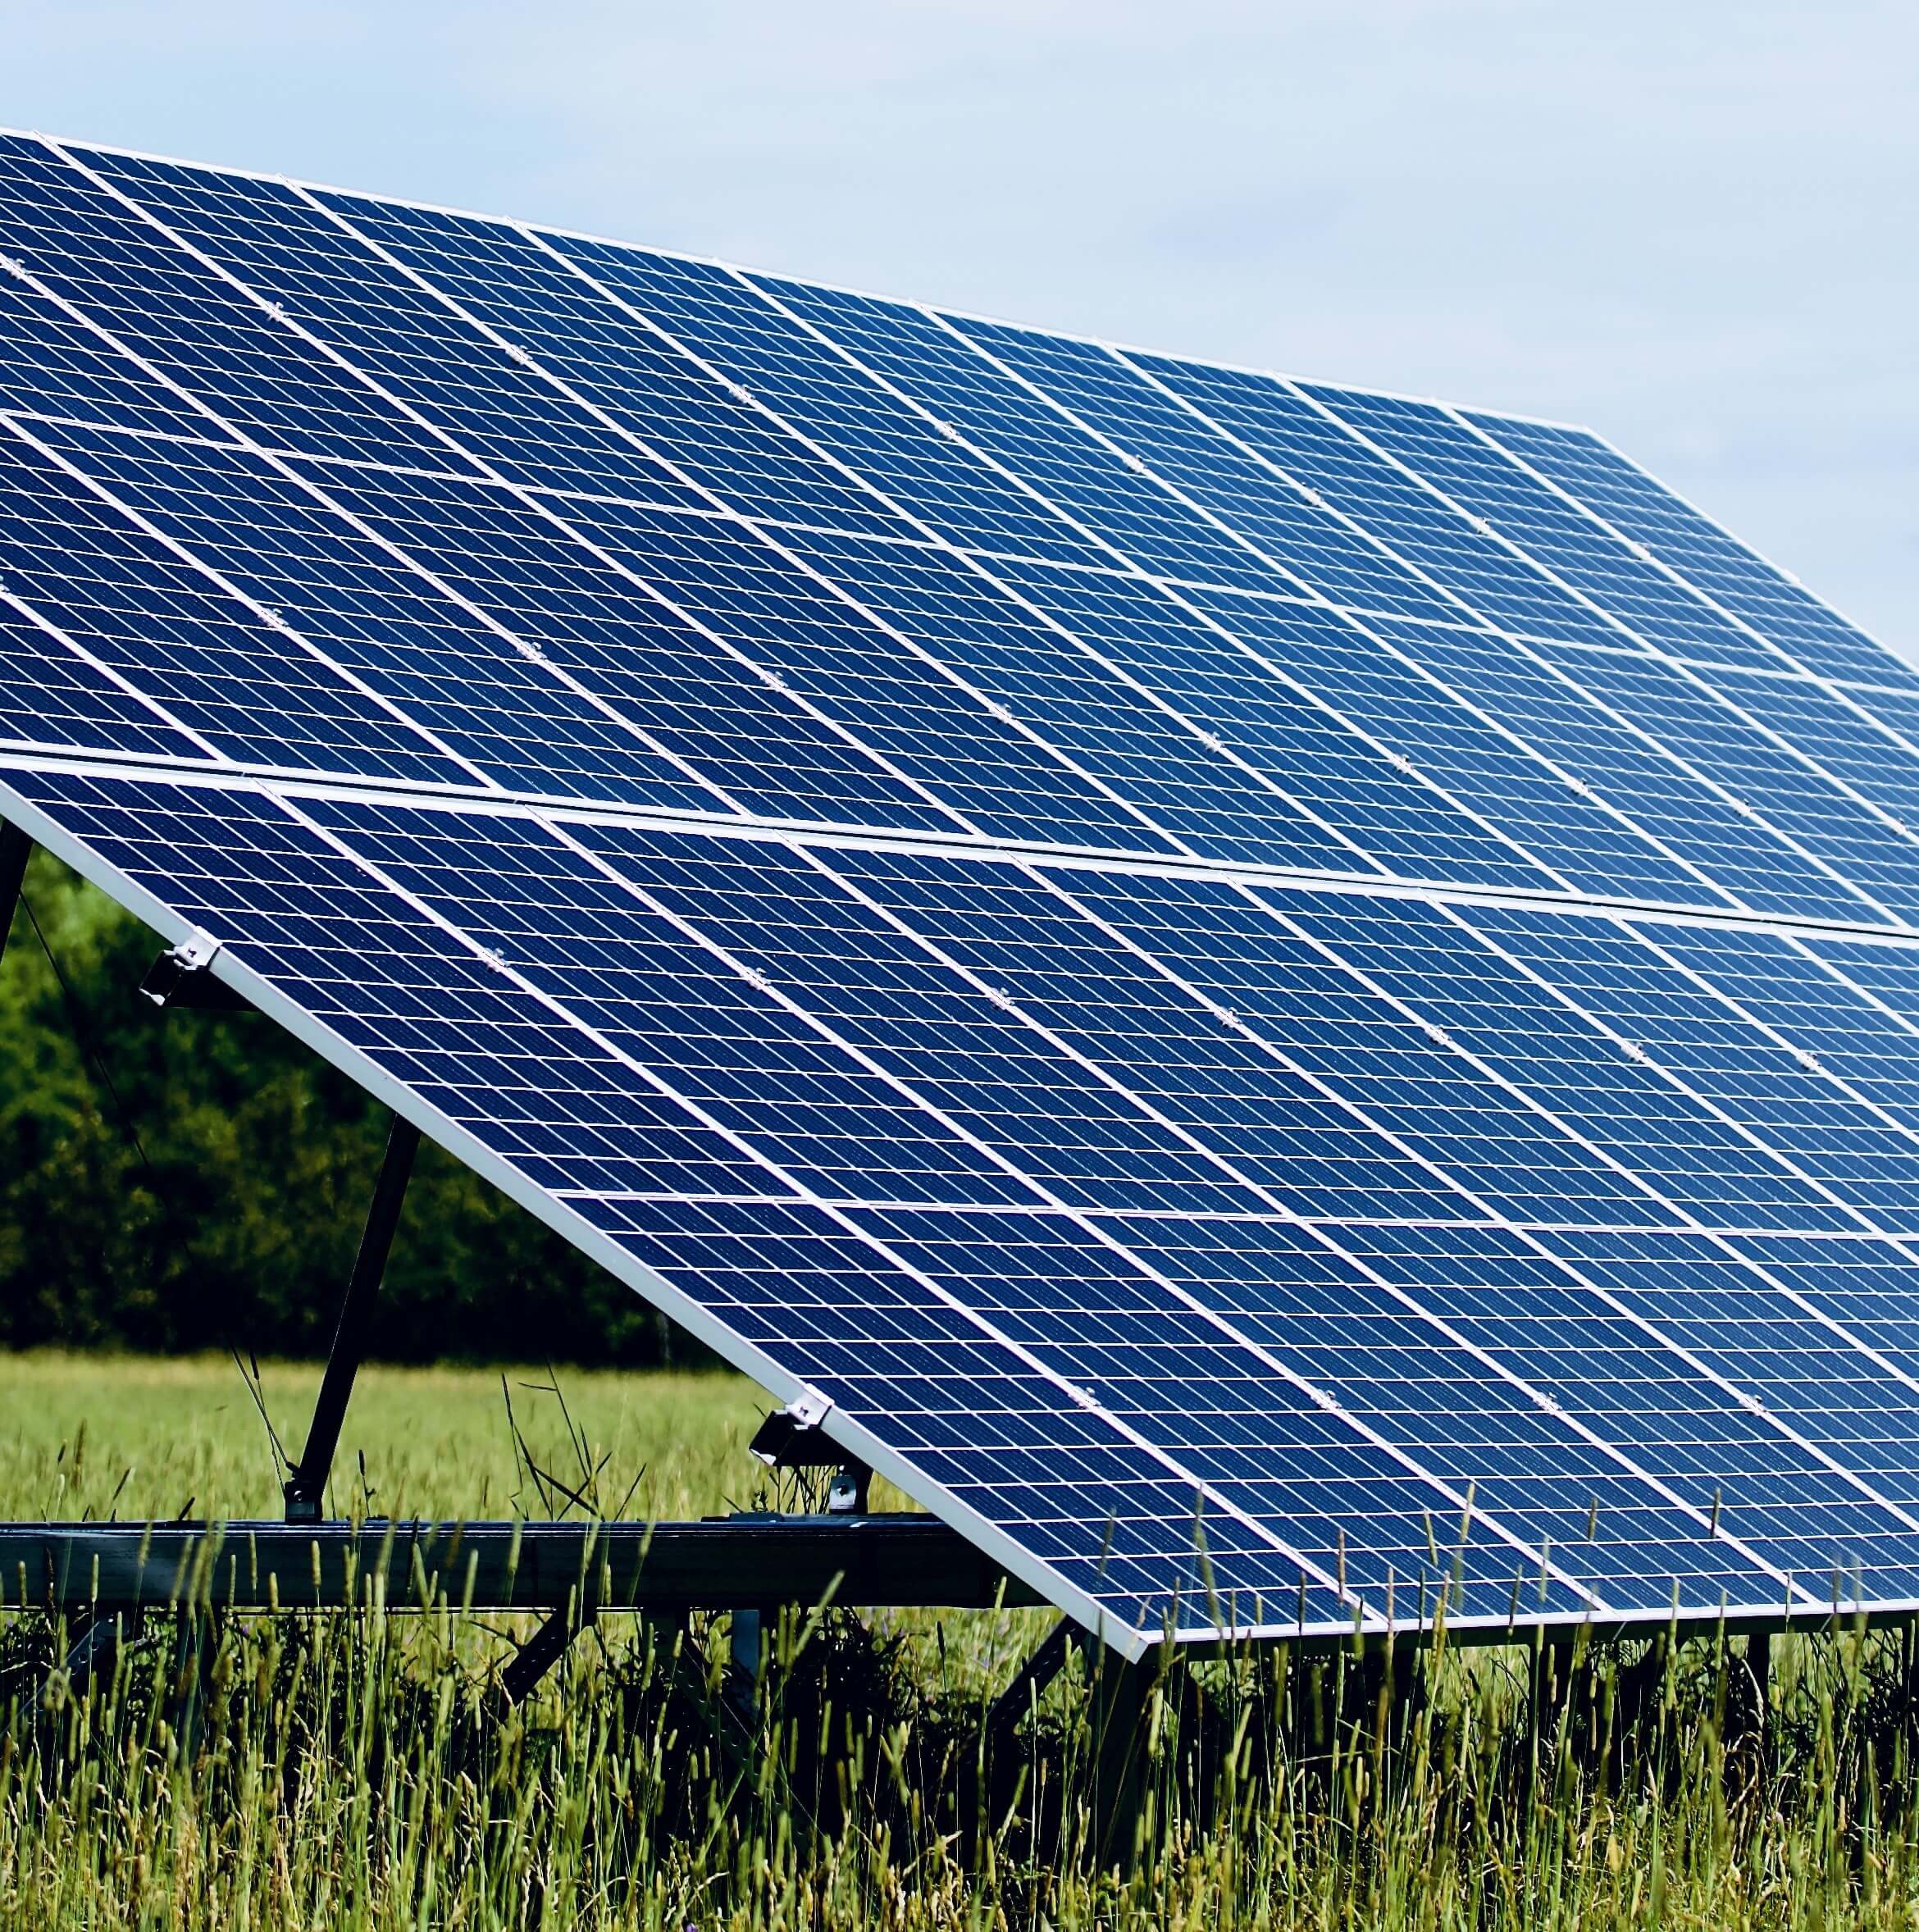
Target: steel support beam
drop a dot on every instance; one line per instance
(895, 1561)
(306, 1483)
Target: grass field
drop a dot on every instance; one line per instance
(352, 1773)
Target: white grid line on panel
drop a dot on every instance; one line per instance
(1486, 1214)
(1175, 589)
(978, 562)
(536, 501)
(1743, 807)
(362, 789)
(286, 469)
(599, 1247)
(760, 532)
(799, 1193)
(952, 433)
(1087, 1224)
(1645, 552)
(1682, 1220)
(273, 619)
(1171, 587)
(1819, 1071)
(1835, 687)
(1705, 516)
(29, 614)
(1719, 1239)
(1226, 1165)
(1286, 1217)
(1478, 624)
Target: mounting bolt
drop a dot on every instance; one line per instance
(848, 1495)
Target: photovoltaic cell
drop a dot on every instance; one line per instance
(1301, 1009)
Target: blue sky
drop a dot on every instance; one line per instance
(1689, 223)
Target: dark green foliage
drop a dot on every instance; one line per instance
(182, 1180)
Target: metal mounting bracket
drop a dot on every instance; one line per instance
(182, 977)
(791, 1438)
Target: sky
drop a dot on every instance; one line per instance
(1688, 223)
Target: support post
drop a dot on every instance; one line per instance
(1121, 1702)
(1759, 1663)
(15, 848)
(306, 1484)
(747, 1649)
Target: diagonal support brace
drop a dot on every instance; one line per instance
(1030, 1681)
(306, 1484)
(541, 1651)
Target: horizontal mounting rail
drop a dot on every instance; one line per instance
(723, 1563)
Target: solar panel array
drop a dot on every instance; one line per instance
(1301, 1007)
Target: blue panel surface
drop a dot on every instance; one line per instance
(1295, 737)
(467, 393)
(507, 720)
(1760, 772)
(815, 386)
(1048, 665)
(1454, 971)
(1559, 537)
(1737, 579)
(1131, 515)
(1590, 732)
(1688, 1021)
(1298, 1008)
(149, 299)
(1468, 741)
(1211, 470)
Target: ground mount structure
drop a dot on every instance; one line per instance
(1297, 1009)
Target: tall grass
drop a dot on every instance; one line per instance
(360, 1771)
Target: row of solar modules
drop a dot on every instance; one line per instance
(1538, 1259)
(556, 439)
(345, 328)
(384, 624)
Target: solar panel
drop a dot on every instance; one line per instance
(1298, 1008)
